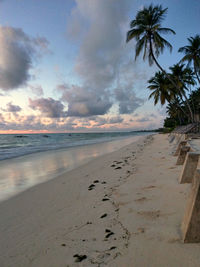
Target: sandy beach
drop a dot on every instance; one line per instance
(121, 209)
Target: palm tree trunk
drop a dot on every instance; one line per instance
(174, 84)
(187, 103)
(179, 106)
(195, 70)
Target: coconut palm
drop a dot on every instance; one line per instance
(146, 29)
(183, 77)
(175, 112)
(192, 54)
(160, 86)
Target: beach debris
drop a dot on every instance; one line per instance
(63, 245)
(103, 216)
(104, 182)
(96, 181)
(89, 223)
(80, 258)
(141, 230)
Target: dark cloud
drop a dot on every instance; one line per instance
(17, 53)
(13, 108)
(84, 102)
(128, 101)
(48, 107)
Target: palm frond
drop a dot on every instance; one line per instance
(134, 33)
(139, 46)
(162, 42)
(166, 30)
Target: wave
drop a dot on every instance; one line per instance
(19, 145)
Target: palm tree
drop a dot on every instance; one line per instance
(192, 54)
(163, 91)
(183, 77)
(146, 29)
(175, 112)
(160, 86)
(195, 100)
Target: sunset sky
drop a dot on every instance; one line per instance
(65, 65)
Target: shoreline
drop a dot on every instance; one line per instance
(30, 171)
(121, 209)
(74, 145)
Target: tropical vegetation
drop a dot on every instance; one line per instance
(178, 87)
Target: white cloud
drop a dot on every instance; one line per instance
(103, 59)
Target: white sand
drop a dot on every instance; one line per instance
(49, 223)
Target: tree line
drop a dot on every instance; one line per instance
(178, 87)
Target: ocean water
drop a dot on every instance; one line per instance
(13, 145)
(28, 160)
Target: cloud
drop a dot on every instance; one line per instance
(101, 49)
(83, 102)
(143, 119)
(37, 90)
(48, 107)
(103, 59)
(116, 119)
(100, 121)
(128, 101)
(13, 108)
(17, 54)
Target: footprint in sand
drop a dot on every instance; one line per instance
(91, 187)
(79, 258)
(150, 214)
(149, 187)
(105, 199)
(109, 233)
(142, 199)
(103, 216)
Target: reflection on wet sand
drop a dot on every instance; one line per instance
(18, 174)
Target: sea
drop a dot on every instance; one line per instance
(27, 160)
(15, 145)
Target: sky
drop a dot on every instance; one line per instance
(65, 65)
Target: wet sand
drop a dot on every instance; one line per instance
(19, 174)
(121, 209)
